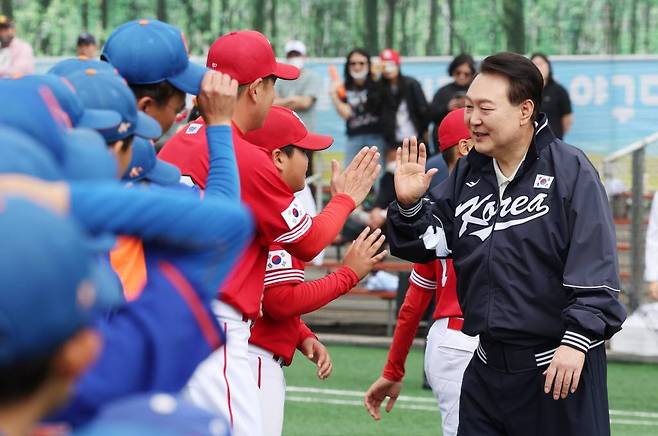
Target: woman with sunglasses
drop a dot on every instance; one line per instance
(451, 96)
(358, 102)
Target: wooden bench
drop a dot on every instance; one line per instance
(388, 296)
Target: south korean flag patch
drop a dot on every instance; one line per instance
(278, 259)
(294, 214)
(193, 128)
(543, 182)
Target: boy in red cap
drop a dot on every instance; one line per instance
(280, 331)
(448, 350)
(224, 383)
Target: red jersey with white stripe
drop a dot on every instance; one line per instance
(280, 337)
(433, 279)
(278, 215)
(287, 296)
(438, 276)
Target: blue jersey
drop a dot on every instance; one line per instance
(155, 342)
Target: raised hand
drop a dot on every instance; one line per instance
(359, 176)
(411, 180)
(219, 93)
(378, 392)
(362, 255)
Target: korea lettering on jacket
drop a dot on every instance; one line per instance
(536, 264)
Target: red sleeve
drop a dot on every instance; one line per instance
(424, 275)
(414, 306)
(304, 332)
(295, 299)
(324, 228)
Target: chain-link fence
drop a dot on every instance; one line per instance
(630, 176)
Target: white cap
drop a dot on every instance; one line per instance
(295, 45)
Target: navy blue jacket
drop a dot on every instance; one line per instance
(539, 267)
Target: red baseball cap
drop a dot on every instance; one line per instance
(284, 127)
(453, 129)
(390, 55)
(246, 56)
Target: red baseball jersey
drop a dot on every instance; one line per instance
(433, 279)
(278, 216)
(283, 336)
(438, 276)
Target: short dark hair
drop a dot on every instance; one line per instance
(459, 60)
(21, 379)
(241, 88)
(450, 155)
(161, 92)
(525, 80)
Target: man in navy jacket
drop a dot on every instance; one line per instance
(526, 219)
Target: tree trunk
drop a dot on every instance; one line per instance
(451, 25)
(189, 17)
(613, 27)
(430, 47)
(647, 26)
(161, 10)
(372, 31)
(514, 25)
(84, 14)
(578, 29)
(258, 22)
(390, 23)
(633, 27)
(404, 43)
(104, 14)
(273, 29)
(8, 8)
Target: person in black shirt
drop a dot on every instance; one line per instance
(358, 102)
(451, 96)
(555, 99)
(405, 109)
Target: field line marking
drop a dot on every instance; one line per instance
(347, 393)
(351, 393)
(355, 403)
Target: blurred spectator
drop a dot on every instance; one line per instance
(299, 95)
(86, 45)
(452, 96)
(358, 101)
(405, 109)
(16, 56)
(651, 256)
(555, 99)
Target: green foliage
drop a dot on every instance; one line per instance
(332, 27)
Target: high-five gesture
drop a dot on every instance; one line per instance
(411, 180)
(358, 177)
(362, 255)
(219, 93)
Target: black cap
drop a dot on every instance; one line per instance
(86, 38)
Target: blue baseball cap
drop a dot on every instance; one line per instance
(44, 270)
(150, 51)
(71, 104)
(151, 414)
(20, 154)
(81, 63)
(88, 157)
(145, 165)
(104, 91)
(33, 110)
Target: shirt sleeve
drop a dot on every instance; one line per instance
(304, 332)
(223, 181)
(296, 298)
(651, 258)
(416, 302)
(565, 102)
(159, 216)
(591, 273)
(422, 232)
